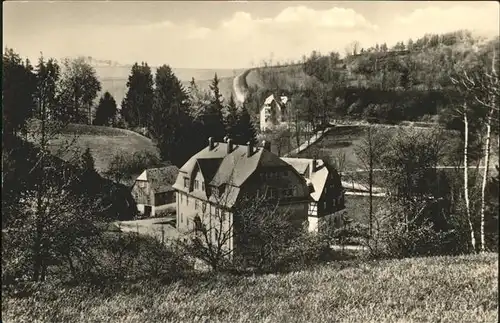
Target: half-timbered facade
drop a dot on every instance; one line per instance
(326, 191)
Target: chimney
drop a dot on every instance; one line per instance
(249, 149)
(314, 165)
(210, 143)
(229, 145)
(266, 145)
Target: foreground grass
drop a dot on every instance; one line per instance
(442, 289)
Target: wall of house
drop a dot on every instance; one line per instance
(143, 195)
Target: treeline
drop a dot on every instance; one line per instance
(65, 92)
(181, 120)
(406, 82)
(155, 105)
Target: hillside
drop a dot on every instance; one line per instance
(439, 289)
(114, 76)
(104, 143)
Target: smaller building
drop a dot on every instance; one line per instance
(274, 112)
(153, 190)
(326, 192)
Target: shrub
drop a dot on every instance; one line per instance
(130, 256)
(424, 240)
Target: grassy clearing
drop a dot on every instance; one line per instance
(441, 289)
(344, 139)
(104, 143)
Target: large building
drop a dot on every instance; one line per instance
(326, 192)
(215, 181)
(274, 112)
(153, 189)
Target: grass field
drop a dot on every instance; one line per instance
(441, 289)
(104, 143)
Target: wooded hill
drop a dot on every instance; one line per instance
(405, 82)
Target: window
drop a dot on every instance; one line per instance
(196, 184)
(324, 205)
(203, 186)
(334, 202)
(142, 184)
(222, 216)
(204, 206)
(196, 204)
(181, 195)
(186, 182)
(182, 219)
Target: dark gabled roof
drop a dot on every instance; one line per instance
(208, 167)
(218, 167)
(162, 178)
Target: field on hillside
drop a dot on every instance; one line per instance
(114, 79)
(118, 87)
(343, 140)
(104, 143)
(440, 289)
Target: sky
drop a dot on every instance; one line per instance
(223, 34)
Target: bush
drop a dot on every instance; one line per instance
(129, 256)
(123, 166)
(398, 242)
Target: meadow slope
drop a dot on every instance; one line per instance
(104, 143)
(440, 289)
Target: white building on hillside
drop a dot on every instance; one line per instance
(274, 112)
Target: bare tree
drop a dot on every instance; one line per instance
(482, 87)
(369, 152)
(249, 232)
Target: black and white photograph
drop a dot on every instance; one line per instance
(250, 161)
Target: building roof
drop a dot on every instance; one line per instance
(283, 100)
(317, 179)
(161, 179)
(233, 169)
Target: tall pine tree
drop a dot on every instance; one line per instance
(137, 105)
(231, 118)
(171, 124)
(212, 119)
(244, 130)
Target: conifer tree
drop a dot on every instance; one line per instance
(137, 104)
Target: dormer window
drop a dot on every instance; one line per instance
(196, 184)
(186, 182)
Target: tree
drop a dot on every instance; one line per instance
(87, 163)
(106, 110)
(79, 88)
(137, 105)
(213, 121)
(47, 76)
(483, 86)
(252, 233)
(369, 152)
(231, 118)
(18, 89)
(171, 123)
(244, 130)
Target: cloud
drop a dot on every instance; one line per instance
(242, 38)
(481, 17)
